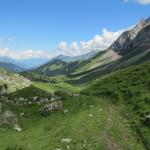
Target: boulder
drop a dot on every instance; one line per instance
(22, 114)
(16, 127)
(9, 118)
(53, 106)
(65, 111)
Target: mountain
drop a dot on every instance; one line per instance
(132, 47)
(11, 67)
(11, 64)
(76, 58)
(111, 112)
(61, 65)
(57, 68)
(5, 59)
(137, 37)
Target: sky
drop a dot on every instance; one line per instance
(46, 28)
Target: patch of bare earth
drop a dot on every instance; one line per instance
(111, 143)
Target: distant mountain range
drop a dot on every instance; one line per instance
(11, 67)
(22, 65)
(132, 47)
(76, 58)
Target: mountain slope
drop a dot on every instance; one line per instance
(56, 67)
(131, 89)
(11, 67)
(132, 47)
(137, 37)
(75, 58)
(13, 81)
(60, 65)
(88, 123)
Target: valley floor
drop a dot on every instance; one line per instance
(88, 124)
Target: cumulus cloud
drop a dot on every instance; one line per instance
(27, 54)
(143, 2)
(98, 42)
(62, 45)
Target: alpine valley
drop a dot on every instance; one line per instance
(96, 101)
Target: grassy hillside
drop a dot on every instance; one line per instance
(57, 68)
(90, 123)
(135, 57)
(103, 57)
(29, 92)
(52, 87)
(130, 88)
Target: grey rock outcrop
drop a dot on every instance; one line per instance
(53, 106)
(138, 36)
(9, 118)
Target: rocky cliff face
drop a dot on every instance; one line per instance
(138, 36)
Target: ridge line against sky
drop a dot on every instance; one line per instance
(36, 29)
(99, 42)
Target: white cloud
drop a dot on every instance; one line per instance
(62, 45)
(98, 42)
(27, 54)
(143, 2)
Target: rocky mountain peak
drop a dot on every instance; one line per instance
(135, 30)
(128, 39)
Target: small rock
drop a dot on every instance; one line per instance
(35, 98)
(148, 117)
(16, 127)
(76, 95)
(30, 102)
(90, 115)
(65, 111)
(100, 109)
(22, 114)
(67, 140)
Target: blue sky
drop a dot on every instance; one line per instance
(49, 25)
